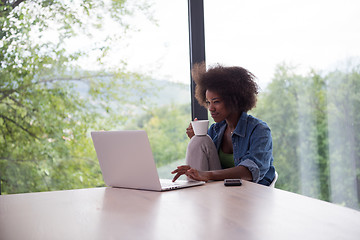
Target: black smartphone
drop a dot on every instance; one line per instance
(232, 182)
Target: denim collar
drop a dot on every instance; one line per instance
(240, 129)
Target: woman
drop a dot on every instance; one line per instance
(239, 145)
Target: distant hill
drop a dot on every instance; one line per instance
(170, 92)
(163, 92)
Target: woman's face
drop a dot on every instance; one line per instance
(216, 106)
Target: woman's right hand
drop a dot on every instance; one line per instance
(190, 131)
(191, 173)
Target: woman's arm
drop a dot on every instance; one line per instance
(216, 175)
(230, 173)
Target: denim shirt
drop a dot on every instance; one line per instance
(252, 146)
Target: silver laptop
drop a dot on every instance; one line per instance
(126, 161)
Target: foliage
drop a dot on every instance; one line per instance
(343, 131)
(314, 123)
(165, 127)
(44, 119)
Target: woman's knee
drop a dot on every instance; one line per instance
(201, 140)
(201, 154)
(203, 144)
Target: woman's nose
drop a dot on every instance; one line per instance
(211, 107)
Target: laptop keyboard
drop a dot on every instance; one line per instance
(169, 184)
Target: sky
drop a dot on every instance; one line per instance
(257, 35)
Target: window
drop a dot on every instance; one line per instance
(71, 67)
(61, 80)
(305, 55)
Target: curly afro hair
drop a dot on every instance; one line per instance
(235, 85)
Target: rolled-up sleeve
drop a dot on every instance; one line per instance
(258, 157)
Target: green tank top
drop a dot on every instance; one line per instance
(226, 159)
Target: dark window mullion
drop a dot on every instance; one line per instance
(197, 50)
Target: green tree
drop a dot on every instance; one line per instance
(278, 107)
(165, 127)
(295, 108)
(48, 103)
(344, 136)
(314, 122)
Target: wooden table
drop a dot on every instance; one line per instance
(211, 211)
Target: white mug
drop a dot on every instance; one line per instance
(200, 127)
